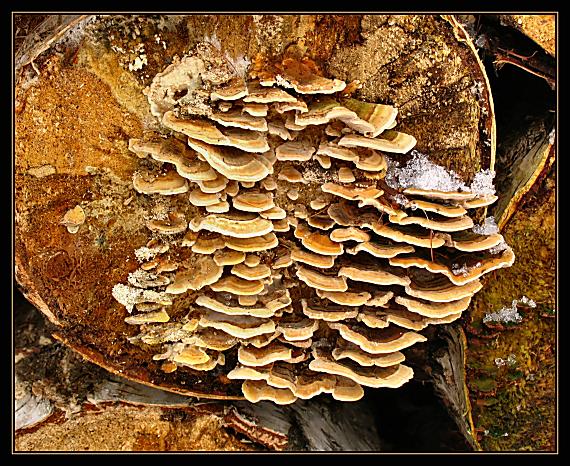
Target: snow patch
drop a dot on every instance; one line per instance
(509, 314)
(421, 173)
(488, 227)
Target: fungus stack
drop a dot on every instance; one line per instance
(286, 252)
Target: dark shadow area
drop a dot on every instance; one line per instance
(412, 419)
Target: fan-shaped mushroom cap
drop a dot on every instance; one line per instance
(238, 286)
(216, 185)
(267, 310)
(219, 208)
(324, 161)
(249, 300)
(320, 244)
(443, 195)
(298, 151)
(207, 133)
(349, 234)
(372, 376)
(299, 106)
(237, 326)
(258, 110)
(281, 226)
(377, 341)
(258, 390)
(413, 236)
(258, 272)
(203, 271)
(232, 163)
(274, 213)
(233, 90)
(208, 245)
(479, 202)
(192, 355)
(351, 193)
(254, 244)
(297, 328)
(380, 298)
(434, 310)
(469, 241)
(316, 260)
(175, 223)
(445, 210)
(371, 161)
(298, 75)
(201, 199)
(261, 340)
(309, 384)
(275, 351)
(213, 339)
(374, 319)
(253, 202)
(269, 184)
(380, 116)
(325, 109)
(381, 250)
(73, 219)
(352, 351)
(228, 257)
(329, 313)
(224, 106)
(148, 318)
(345, 298)
(485, 265)
(169, 183)
(211, 364)
(290, 174)
(377, 276)
(251, 260)
(345, 175)
(242, 225)
(329, 149)
(446, 224)
(391, 141)
(267, 95)
(438, 288)
(320, 281)
(238, 119)
(347, 390)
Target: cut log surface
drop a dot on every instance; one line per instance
(82, 95)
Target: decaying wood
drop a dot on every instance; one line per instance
(439, 86)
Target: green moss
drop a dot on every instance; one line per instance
(523, 405)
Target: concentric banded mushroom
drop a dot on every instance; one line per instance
(331, 304)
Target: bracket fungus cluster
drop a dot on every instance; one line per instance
(286, 262)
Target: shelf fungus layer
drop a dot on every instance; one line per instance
(368, 271)
(241, 237)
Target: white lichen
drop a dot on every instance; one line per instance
(139, 277)
(128, 296)
(145, 254)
